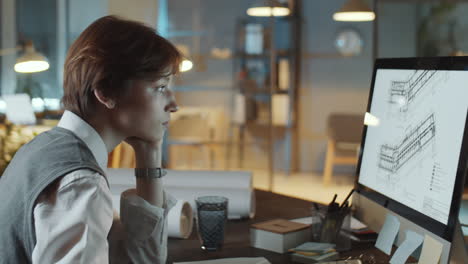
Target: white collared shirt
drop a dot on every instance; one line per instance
(75, 222)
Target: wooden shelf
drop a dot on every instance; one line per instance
(260, 82)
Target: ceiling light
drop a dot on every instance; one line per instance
(354, 11)
(31, 60)
(266, 8)
(186, 65)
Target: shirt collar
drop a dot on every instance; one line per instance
(88, 134)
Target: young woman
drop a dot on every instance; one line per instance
(56, 205)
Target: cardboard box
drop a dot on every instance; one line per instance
(279, 235)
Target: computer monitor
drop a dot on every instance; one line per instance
(413, 157)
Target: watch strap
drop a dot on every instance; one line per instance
(150, 173)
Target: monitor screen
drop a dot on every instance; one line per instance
(412, 145)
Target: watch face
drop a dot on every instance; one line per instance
(349, 42)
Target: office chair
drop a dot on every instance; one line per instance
(344, 132)
(195, 135)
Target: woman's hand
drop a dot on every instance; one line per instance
(147, 153)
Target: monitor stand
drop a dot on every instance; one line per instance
(373, 215)
(458, 254)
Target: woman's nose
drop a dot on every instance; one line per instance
(171, 107)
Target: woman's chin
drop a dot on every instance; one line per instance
(155, 138)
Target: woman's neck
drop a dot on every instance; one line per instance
(109, 135)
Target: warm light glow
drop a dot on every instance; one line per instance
(31, 60)
(186, 65)
(31, 66)
(354, 16)
(266, 11)
(371, 120)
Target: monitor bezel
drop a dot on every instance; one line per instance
(444, 231)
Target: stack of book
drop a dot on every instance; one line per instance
(278, 235)
(314, 252)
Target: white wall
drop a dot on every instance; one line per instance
(82, 13)
(145, 11)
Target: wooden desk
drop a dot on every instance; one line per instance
(237, 241)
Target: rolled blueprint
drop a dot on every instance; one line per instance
(188, 185)
(241, 202)
(197, 179)
(180, 220)
(209, 179)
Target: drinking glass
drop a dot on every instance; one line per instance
(211, 221)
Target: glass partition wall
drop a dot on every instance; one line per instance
(205, 31)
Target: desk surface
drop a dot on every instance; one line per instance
(237, 241)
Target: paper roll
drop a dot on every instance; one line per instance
(189, 179)
(188, 185)
(241, 202)
(180, 220)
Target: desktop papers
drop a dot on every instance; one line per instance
(388, 234)
(229, 261)
(356, 224)
(431, 251)
(303, 220)
(412, 241)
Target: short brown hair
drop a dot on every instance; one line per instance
(110, 52)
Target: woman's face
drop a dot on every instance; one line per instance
(144, 111)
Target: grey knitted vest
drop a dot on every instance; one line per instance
(35, 166)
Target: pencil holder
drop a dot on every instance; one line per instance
(317, 217)
(333, 229)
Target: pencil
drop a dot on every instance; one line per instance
(347, 197)
(334, 198)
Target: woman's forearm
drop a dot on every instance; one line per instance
(149, 189)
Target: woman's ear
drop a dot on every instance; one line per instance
(107, 102)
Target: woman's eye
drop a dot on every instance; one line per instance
(161, 89)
